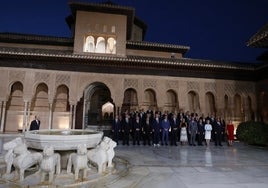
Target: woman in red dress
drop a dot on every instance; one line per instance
(230, 133)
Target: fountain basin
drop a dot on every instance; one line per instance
(62, 139)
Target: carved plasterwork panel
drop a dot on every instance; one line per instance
(63, 79)
(192, 86)
(83, 81)
(241, 88)
(133, 83)
(229, 89)
(247, 88)
(210, 87)
(149, 83)
(41, 77)
(171, 84)
(16, 76)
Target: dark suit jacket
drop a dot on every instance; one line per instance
(35, 124)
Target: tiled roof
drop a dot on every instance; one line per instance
(34, 39)
(128, 60)
(157, 46)
(260, 39)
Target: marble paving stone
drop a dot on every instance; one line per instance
(160, 170)
(241, 177)
(188, 170)
(204, 178)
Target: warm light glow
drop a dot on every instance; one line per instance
(107, 107)
(236, 123)
(63, 123)
(20, 121)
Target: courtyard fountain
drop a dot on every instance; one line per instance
(62, 139)
(59, 157)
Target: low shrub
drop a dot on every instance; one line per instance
(252, 132)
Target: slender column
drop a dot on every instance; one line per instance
(1, 105)
(71, 116)
(24, 126)
(84, 115)
(3, 116)
(50, 116)
(74, 115)
(28, 113)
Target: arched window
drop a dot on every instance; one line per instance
(130, 101)
(100, 46)
(150, 99)
(16, 97)
(89, 45)
(238, 109)
(210, 103)
(61, 101)
(111, 45)
(171, 101)
(193, 101)
(40, 99)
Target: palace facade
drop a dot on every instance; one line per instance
(106, 67)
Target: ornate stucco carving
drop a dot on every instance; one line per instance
(229, 89)
(133, 83)
(41, 77)
(171, 84)
(16, 76)
(62, 79)
(192, 86)
(210, 87)
(239, 88)
(149, 83)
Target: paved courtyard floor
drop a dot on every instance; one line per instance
(240, 166)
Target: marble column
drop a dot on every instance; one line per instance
(74, 116)
(24, 126)
(1, 110)
(50, 116)
(3, 116)
(84, 115)
(71, 116)
(28, 113)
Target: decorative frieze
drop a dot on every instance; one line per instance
(16, 76)
(63, 79)
(192, 86)
(42, 77)
(171, 84)
(130, 83)
(210, 87)
(149, 83)
(83, 81)
(242, 88)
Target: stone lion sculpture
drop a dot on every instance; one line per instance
(24, 159)
(50, 164)
(110, 149)
(78, 161)
(9, 156)
(103, 154)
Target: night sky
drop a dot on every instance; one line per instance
(213, 29)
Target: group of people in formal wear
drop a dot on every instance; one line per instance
(157, 128)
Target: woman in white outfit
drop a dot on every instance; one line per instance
(208, 129)
(183, 135)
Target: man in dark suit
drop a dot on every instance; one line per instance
(116, 128)
(218, 131)
(175, 124)
(35, 124)
(126, 129)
